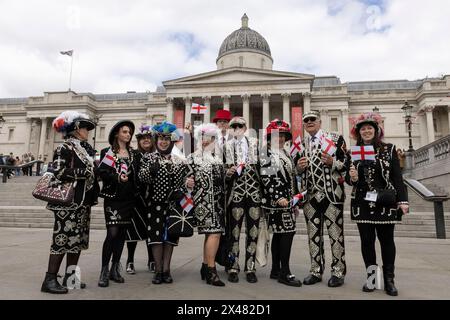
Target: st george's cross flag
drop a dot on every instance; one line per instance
(109, 159)
(296, 147)
(328, 146)
(187, 203)
(297, 198)
(68, 53)
(363, 153)
(240, 168)
(198, 109)
(123, 168)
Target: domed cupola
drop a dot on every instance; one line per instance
(244, 48)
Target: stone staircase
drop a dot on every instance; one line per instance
(19, 209)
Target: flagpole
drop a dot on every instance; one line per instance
(70, 77)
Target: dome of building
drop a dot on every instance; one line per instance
(245, 40)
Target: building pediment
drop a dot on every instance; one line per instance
(239, 75)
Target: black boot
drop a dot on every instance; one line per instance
(104, 277)
(114, 274)
(213, 277)
(204, 271)
(51, 284)
(72, 285)
(388, 275)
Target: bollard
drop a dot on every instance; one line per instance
(439, 219)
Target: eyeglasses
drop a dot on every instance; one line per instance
(306, 120)
(235, 126)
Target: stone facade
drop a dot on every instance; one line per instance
(244, 85)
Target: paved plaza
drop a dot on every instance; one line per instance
(423, 272)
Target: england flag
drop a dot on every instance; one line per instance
(187, 203)
(363, 153)
(297, 147)
(297, 198)
(109, 159)
(198, 109)
(328, 145)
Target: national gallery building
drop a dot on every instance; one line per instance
(245, 83)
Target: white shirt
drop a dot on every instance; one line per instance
(240, 143)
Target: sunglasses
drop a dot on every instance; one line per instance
(235, 126)
(306, 120)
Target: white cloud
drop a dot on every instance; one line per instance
(135, 45)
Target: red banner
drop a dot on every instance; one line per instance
(178, 118)
(296, 122)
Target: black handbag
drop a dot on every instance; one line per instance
(180, 223)
(386, 197)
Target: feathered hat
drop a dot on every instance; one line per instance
(166, 129)
(144, 130)
(69, 121)
(371, 118)
(207, 129)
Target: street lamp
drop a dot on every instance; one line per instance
(407, 109)
(2, 121)
(96, 119)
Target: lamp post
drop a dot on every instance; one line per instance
(2, 121)
(96, 119)
(407, 109)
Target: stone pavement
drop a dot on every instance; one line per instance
(423, 272)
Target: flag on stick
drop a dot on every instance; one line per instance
(296, 147)
(198, 109)
(363, 153)
(328, 146)
(187, 203)
(109, 159)
(297, 198)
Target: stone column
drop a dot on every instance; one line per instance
(28, 134)
(169, 112)
(345, 125)
(430, 125)
(325, 119)
(246, 108)
(207, 115)
(266, 109)
(286, 108)
(187, 109)
(42, 138)
(306, 102)
(226, 102)
(448, 114)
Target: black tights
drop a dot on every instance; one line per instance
(55, 260)
(113, 244)
(131, 245)
(385, 233)
(162, 253)
(281, 252)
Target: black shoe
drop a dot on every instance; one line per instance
(290, 280)
(213, 277)
(204, 271)
(365, 288)
(335, 282)
(104, 277)
(72, 285)
(114, 274)
(388, 275)
(51, 284)
(311, 279)
(166, 277)
(233, 277)
(274, 274)
(157, 278)
(251, 277)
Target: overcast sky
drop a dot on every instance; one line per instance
(124, 46)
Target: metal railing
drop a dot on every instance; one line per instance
(437, 199)
(4, 168)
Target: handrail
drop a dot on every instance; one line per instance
(437, 199)
(5, 167)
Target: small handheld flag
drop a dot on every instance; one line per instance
(296, 147)
(328, 146)
(240, 168)
(109, 159)
(297, 198)
(363, 153)
(187, 203)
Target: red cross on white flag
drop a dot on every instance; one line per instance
(198, 109)
(109, 159)
(187, 203)
(297, 198)
(328, 146)
(363, 153)
(240, 168)
(296, 147)
(123, 168)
